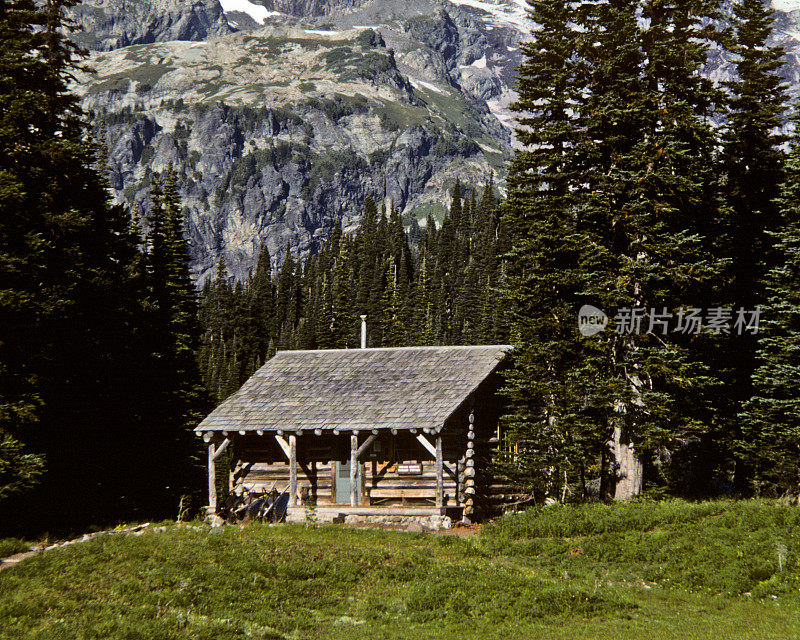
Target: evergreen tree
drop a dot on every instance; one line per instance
(547, 260)
(606, 207)
(262, 302)
(771, 433)
(181, 297)
(285, 301)
(753, 165)
(368, 256)
(174, 342)
(70, 313)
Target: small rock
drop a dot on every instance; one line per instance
(415, 527)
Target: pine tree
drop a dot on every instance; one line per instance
(343, 323)
(71, 335)
(284, 300)
(181, 296)
(606, 207)
(262, 301)
(771, 432)
(215, 309)
(753, 165)
(546, 259)
(368, 256)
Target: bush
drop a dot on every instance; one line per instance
(10, 546)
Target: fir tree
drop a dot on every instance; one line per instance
(771, 431)
(71, 337)
(546, 259)
(606, 207)
(753, 164)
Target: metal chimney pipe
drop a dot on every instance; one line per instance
(363, 332)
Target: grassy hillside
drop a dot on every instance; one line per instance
(678, 570)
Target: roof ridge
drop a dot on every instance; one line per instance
(420, 347)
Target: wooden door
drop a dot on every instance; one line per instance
(343, 483)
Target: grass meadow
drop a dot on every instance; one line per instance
(672, 569)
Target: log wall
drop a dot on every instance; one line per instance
(395, 469)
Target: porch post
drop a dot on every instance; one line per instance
(212, 480)
(353, 469)
(439, 473)
(292, 470)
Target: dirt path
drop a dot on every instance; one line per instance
(10, 561)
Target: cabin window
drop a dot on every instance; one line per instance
(409, 469)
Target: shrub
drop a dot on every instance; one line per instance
(10, 546)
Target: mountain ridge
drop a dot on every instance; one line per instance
(279, 130)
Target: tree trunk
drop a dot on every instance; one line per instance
(629, 467)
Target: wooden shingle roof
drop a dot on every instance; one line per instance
(399, 388)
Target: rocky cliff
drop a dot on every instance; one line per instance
(111, 24)
(282, 115)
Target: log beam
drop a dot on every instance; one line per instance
(353, 469)
(292, 470)
(212, 480)
(284, 446)
(428, 446)
(432, 450)
(221, 448)
(365, 445)
(439, 473)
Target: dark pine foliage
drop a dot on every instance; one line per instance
(753, 169)
(607, 206)
(84, 412)
(441, 289)
(770, 440)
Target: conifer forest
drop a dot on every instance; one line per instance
(662, 199)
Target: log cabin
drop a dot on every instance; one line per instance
(406, 432)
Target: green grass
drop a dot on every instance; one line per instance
(521, 578)
(729, 548)
(10, 546)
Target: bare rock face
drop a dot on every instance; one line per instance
(281, 116)
(111, 24)
(279, 134)
(311, 8)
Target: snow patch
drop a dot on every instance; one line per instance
(255, 11)
(321, 32)
(785, 5)
(514, 12)
(417, 84)
(499, 107)
(480, 63)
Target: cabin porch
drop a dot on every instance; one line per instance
(332, 475)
